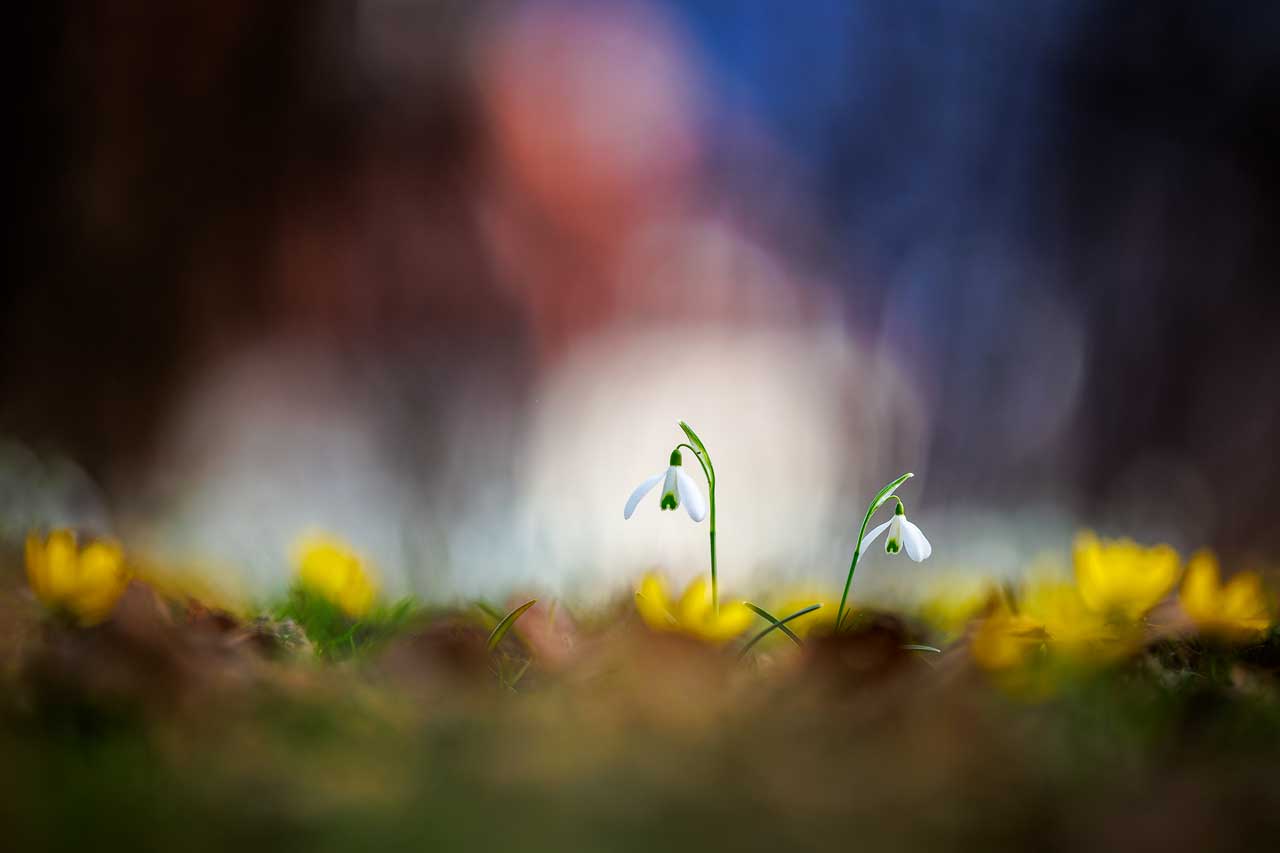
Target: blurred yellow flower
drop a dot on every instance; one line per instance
(84, 583)
(953, 603)
(1121, 579)
(1052, 615)
(1238, 609)
(1005, 639)
(331, 568)
(1071, 624)
(693, 614)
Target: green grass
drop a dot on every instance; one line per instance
(334, 634)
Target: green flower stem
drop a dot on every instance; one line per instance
(882, 497)
(710, 474)
(709, 471)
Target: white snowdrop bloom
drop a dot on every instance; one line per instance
(902, 533)
(677, 488)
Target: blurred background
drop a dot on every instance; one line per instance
(442, 276)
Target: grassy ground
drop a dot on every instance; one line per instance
(173, 727)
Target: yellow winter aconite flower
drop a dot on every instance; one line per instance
(1238, 609)
(954, 602)
(84, 583)
(333, 570)
(1050, 615)
(693, 614)
(1005, 639)
(1072, 626)
(1121, 579)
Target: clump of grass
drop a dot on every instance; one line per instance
(335, 634)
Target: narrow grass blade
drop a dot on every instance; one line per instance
(515, 679)
(504, 625)
(917, 647)
(781, 623)
(769, 617)
(489, 611)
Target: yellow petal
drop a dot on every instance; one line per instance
(735, 617)
(1157, 572)
(356, 597)
(335, 571)
(61, 563)
(100, 582)
(1119, 578)
(1200, 591)
(1244, 601)
(101, 563)
(1004, 641)
(695, 604)
(1091, 572)
(653, 604)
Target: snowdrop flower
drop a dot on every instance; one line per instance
(901, 533)
(677, 488)
(900, 530)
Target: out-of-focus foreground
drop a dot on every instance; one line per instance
(145, 708)
(333, 721)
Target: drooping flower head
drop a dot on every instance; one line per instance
(902, 534)
(82, 582)
(677, 488)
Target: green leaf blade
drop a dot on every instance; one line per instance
(693, 438)
(887, 492)
(775, 621)
(781, 623)
(504, 625)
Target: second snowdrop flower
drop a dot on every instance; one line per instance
(677, 488)
(902, 533)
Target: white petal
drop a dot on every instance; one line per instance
(692, 499)
(669, 487)
(873, 536)
(893, 542)
(641, 490)
(918, 547)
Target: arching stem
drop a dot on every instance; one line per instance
(882, 497)
(704, 459)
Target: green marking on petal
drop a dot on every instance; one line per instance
(892, 546)
(670, 501)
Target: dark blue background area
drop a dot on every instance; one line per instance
(1120, 156)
